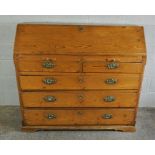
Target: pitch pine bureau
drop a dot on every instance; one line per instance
(79, 77)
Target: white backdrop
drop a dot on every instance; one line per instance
(8, 88)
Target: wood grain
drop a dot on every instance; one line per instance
(80, 54)
(117, 58)
(61, 63)
(79, 117)
(121, 128)
(75, 39)
(90, 64)
(79, 81)
(99, 67)
(79, 99)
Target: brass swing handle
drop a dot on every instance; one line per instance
(51, 116)
(49, 81)
(111, 81)
(112, 65)
(107, 116)
(49, 98)
(48, 64)
(109, 99)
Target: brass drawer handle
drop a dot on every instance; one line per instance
(112, 65)
(48, 64)
(49, 81)
(109, 99)
(111, 81)
(51, 116)
(49, 99)
(107, 116)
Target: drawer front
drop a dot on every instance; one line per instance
(47, 63)
(115, 67)
(85, 81)
(79, 99)
(118, 64)
(79, 117)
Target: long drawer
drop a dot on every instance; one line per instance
(79, 99)
(80, 81)
(79, 117)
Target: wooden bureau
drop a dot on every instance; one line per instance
(79, 77)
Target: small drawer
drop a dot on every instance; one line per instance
(49, 63)
(115, 67)
(79, 99)
(80, 81)
(79, 117)
(113, 64)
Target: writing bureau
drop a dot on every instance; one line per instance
(79, 77)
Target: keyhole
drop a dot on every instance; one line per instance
(81, 28)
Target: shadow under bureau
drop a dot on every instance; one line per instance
(79, 77)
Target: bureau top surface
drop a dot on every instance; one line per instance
(79, 40)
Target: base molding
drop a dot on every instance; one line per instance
(106, 128)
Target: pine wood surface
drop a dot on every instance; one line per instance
(79, 99)
(79, 64)
(76, 39)
(80, 70)
(79, 81)
(79, 117)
